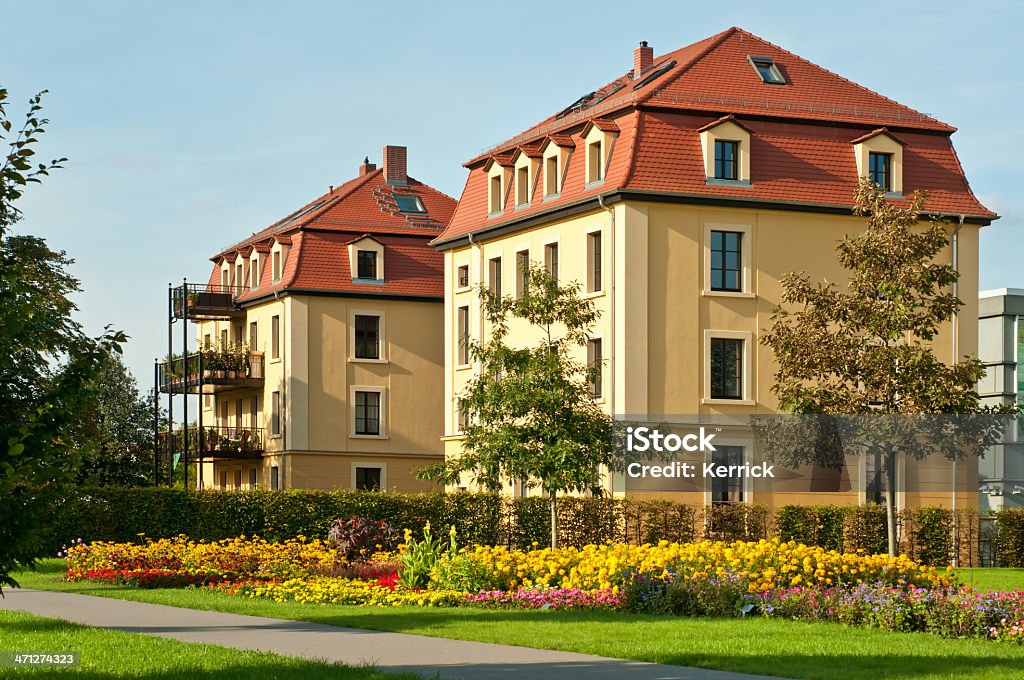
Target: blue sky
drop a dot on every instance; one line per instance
(189, 125)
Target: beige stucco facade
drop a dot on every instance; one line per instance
(659, 316)
(314, 376)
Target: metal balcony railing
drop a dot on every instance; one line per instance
(204, 301)
(215, 442)
(210, 371)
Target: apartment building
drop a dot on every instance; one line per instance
(318, 353)
(678, 195)
(1001, 349)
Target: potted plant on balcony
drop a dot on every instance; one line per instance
(211, 439)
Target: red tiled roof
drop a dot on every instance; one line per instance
(318, 234)
(801, 149)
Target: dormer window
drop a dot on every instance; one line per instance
(726, 159)
(367, 264)
(366, 259)
(879, 157)
(495, 194)
(725, 144)
(409, 203)
(595, 168)
(880, 169)
(276, 269)
(522, 186)
(551, 176)
(768, 70)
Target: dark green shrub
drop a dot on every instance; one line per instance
(1010, 537)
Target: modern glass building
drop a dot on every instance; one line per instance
(1001, 349)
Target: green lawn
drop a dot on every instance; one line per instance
(992, 579)
(785, 648)
(115, 654)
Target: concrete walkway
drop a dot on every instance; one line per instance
(430, 656)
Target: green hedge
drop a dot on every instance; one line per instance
(1010, 537)
(117, 514)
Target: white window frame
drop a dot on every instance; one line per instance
(382, 344)
(748, 367)
(748, 456)
(383, 467)
(459, 365)
(383, 411)
(746, 254)
(469, 277)
(604, 364)
(596, 292)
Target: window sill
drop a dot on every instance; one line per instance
(369, 282)
(367, 436)
(463, 367)
(522, 206)
(727, 402)
(275, 436)
(728, 293)
(551, 197)
(893, 194)
(361, 360)
(492, 215)
(714, 182)
(593, 294)
(463, 289)
(275, 360)
(595, 183)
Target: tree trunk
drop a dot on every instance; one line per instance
(890, 501)
(554, 518)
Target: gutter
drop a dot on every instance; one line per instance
(955, 257)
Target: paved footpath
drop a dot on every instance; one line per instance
(455, 659)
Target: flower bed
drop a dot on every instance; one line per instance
(767, 578)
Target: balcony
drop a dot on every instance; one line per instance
(215, 442)
(211, 371)
(204, 301)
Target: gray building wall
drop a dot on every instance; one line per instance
(1001, 350)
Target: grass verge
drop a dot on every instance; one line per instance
(116, 654)
(811, 651)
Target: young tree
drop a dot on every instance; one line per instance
(116, 439)
(47, 364)
(530, 413)
(864, 354)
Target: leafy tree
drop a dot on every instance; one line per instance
(116, 440)
(863, 356)
(530, 412)
(47, 364)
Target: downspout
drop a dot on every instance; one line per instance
(955, 256)
(480, 311)
(284, 393)
(611, 313)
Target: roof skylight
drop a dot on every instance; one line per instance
(767, 69)
(409, 203)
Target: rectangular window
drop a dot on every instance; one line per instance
(461, 416)
(254, 411)
(277, 265)
(726, 164)
(223, 413)
(463, 276)
(595, 359)
(726, 261)
(551, 260)
(225, 284)
(551, 176)
(252, 478)
(224, 339)
(275, 413)
(223, 479)
(253, 337)
(726, 368)
(522, 272)
(207, 341)
(239, 281)
(727, 489)
(368, 413)
(367, 336)
(874, 480)
(238, 478)
(275, 477)
(494, 275)
(495, 197)
(238, 415)
(254, 272)
(367, 264)
(275, 337)
(522, 186)
(594, 262)
(368, 479)
(595, 164)
(463, 336)
(879, 170)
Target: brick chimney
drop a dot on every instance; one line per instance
(643, 59)
(367, 167)
(394, 165)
